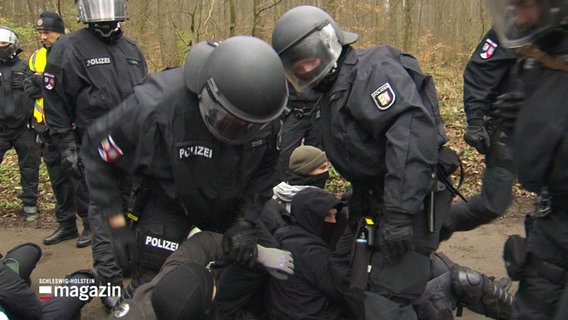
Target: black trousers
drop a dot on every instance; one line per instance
(70, 198)
(24, 142)
(547, 239)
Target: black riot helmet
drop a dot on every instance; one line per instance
(309, 43)
(93, 11)
(9, 44)
(521, 22)
(240, 83)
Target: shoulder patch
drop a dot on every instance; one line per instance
(109, 150)
(488, 49)
(384, 97)
(48, 81)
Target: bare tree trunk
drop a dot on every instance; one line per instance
(166, 31)
(407, 37)
(233, 18)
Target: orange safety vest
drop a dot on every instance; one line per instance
(37, 63)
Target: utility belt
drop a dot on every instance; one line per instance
(299, 113)
(518, 262)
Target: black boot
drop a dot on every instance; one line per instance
(62, 233)
(85, 238)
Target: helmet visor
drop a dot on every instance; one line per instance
(310, 60)
(224, 125)
(101, 10)
(520, 22)
(8, 36)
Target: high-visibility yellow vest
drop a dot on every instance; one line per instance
(37, 63)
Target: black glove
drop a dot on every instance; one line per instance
(18, 83)
(239, 243)
(125, 247)
(506, 108)
(71, 162)
(476, 135)
(395, 234)
(38, 79)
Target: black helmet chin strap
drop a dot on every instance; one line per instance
(106, 30)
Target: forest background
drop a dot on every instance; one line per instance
(442, 34)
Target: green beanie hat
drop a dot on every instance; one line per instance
(305, 159)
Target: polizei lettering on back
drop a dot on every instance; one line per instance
(161, 243)
(96, 61)
(192, 151)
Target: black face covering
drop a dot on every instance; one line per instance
(318, 180)
(328, 232)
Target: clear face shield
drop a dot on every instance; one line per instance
(8, 44)
(101, 10)
(224, 125)
(8, 36)
(311, 59)
(520, 22)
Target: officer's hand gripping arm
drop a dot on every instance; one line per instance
(239, 243)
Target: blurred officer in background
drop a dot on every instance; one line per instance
(381, 130)
(204, 151)
(89, 72)
(50, 27)
(297, 126)
(16, 111)
(489, 73)
(538, 29)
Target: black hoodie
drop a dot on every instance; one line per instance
(311, 292)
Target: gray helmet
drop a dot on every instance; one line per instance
(12, 47)
(308, 41)
(241, 86)
(101, 10)
(520, 22)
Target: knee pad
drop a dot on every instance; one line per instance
(26, 255)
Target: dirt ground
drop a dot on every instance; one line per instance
(480, 249)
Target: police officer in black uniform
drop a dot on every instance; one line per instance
(381, 130)
(68, 198)
(539, 31)
(88, 73)
(202, 139)
(489, 73)
(16, 110)
(297, 126)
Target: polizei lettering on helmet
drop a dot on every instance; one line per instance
(161, 243)
(97, 61)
